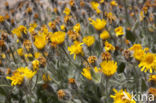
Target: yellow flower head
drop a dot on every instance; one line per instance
(138, 54)
(101, 1)
(73, 35)
(71, 81)
(37, 55)
(99, 24)
(26, 72)
(40, 41)
(86, 73)
(109, 68)
(1, 19)
(61, 93)
(20, 51)
(19, 75)
(106, 56)
(62, 27)
(152, 78)
(114, 3)
(58, 37)
(33, 25)
(146, 49)
(109, 46)
(52, 24)
(67, 18)
(76, 28)
(46, 78)
(66, 11)
(96, 69)
(92, 59)
(28, 55)
(120, 97)
(16, 78)
(148, 62)
(19, 31)
(136, 47)
(142, 15)
(22, 29)
(110, 16)
(76, 48)
(119, 31)
(35, 65)
(104, 35)
(95, 6)
(89, 40)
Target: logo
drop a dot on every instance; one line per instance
(139, 97)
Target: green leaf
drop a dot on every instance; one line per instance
(144, 86)
(130, 36)
(121, 68)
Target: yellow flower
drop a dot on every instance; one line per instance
(96, 69)
(76, 28)
(40, 42)
(102, 1)
(142, 16)
(3, 55)
(104, 35)
(122, 97)
(73, 35)
(43, 30)
(37, 55)
(119, 31)
(58, 37)
(95, 6)
(28, 55)
(113, 3)
(92, 59)
(17, 32)
(99, 24)
(89, 40)
(148, 62)
(22, 29)
(52, 24)
(46, 78)
(71, 81)
(146, 49)
(71, 2)
(1, 19)
(152, 91)
(26, 72)
(136, 47)
(110, 16)
(106, 56)
(16, 78)
(138, 54)
(86, 73)
(34, 25)
(109, 47)
(19, 75)
(35, 65)
(152, 78)
(20, 51)
(109, 68)
(66, 11)
(61, 93)
(76, 49)
(67, 18)
(62, 27)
